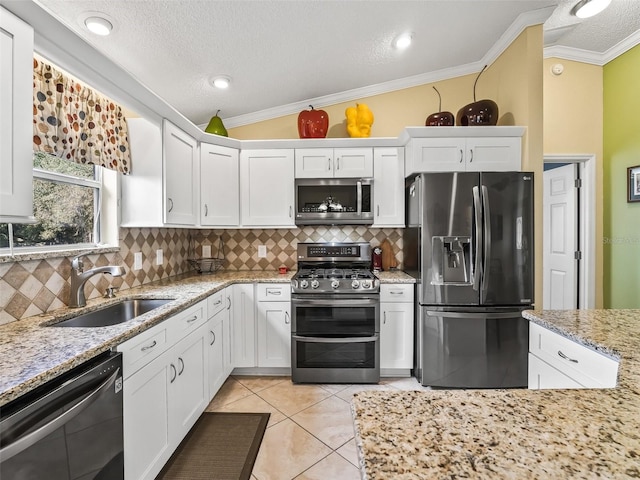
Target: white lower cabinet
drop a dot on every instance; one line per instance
(556, 361)
(396, 326)
(163, 397)
(219, 341)
(274, 325)
(243, 326)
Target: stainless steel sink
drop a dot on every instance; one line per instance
(114, 314)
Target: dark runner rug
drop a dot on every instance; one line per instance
(220, 446)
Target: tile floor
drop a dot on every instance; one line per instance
(310, 432)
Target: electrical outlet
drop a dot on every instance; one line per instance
(137, 261)
(159, 257)
(206, 251)
(262, 251)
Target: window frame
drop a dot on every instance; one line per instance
(100, 186)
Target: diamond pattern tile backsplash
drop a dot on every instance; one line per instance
(32, 287)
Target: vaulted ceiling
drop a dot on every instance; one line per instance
(282, 55)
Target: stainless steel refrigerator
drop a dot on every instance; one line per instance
(469, 243)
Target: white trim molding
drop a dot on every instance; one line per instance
(594, 58)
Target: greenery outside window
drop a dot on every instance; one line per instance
(67, 199)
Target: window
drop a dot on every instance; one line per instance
(67, 203)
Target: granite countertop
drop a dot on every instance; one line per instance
(514, 433)
(32, 353)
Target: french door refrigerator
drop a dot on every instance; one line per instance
(469, 244)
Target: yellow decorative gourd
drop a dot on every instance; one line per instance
(359, 121)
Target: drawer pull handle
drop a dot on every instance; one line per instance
(218, 302)
(191, 320)
(287, 321)
(148, 347)
(562, 355)
(181, 365)
(274, 292)
(228, 303)
(175, 373)
(213, 335)
(396, 292)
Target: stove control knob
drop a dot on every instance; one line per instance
(315, 283)
(335, 284)
(304, 284)
(355, 284)
(366, 284)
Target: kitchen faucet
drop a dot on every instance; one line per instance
(79, 278)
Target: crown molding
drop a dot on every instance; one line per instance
(523, 21)
(594, 58)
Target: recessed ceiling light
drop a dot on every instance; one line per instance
(221, 82)
(98, 25)
(589, 8)
(403, 41)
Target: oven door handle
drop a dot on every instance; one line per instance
(32, 438)
(300, 338)
(336, 302)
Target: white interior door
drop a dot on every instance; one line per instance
(559, 263)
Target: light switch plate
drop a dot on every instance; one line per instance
(159, 257)
(262, 251)
(137, 260)
(206, 251)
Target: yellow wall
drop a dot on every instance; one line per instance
(513, 81)
(573, 122)
(621, 136)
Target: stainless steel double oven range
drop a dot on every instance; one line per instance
(335, 304)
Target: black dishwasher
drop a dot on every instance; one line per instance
(69, 428)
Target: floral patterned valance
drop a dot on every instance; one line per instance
(74, 122)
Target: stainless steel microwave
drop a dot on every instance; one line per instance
(343, 201)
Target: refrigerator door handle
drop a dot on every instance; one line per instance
(487, 243)
(476, 247)
(440, 313)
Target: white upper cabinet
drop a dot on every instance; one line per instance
(16, 121)
(219, 186)
(266, 188)
(141, 191)
(464, 149)
(180, 153)
(388, 187)
(334, 163)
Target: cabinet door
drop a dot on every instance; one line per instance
(274, 334)
(313, 162)
(243, 326)
(16, 121)
(227, 343)
(493, 154)
(544, 376)
(219, 186)
(353, 163)
(215, 356)
(188, 397)
(266, 188)
(396, 335)
(146, 420)
(388, 187)
(180, 162)
(141, 192)
(436, 155)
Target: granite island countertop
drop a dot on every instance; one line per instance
(425, 434)
(31, 353)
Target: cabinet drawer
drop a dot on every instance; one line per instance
(274, 292)
(580, 363)
(397, 292)
(215, 303)
(186, 322)
(141, 349)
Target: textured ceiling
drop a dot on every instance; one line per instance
(285, 52)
